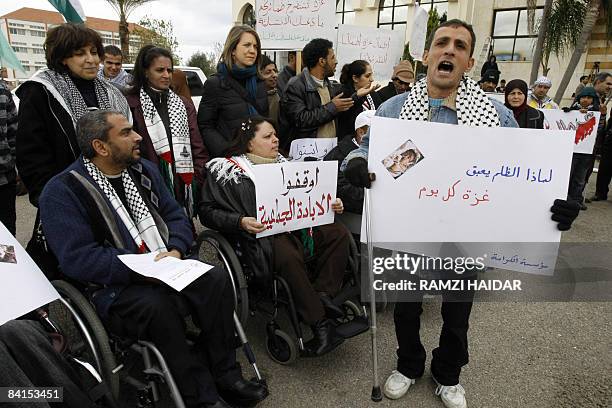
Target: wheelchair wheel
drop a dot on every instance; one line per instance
(351, 311)
(214, 249)
(89, 343)
(281, 348)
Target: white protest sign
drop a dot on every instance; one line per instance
(380, 47)
(441, 183)
(419, 33)
(295, 195)
(23, 286)
(311, 147)
(283, 24)
(497, 96)
(583, 124)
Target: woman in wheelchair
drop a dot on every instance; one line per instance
(228, 205)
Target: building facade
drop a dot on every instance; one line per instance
(501, 27)
(26, 30)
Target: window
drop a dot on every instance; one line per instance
(38, 33)
(345, 14)
(440, 5)
(511, 38)
(248, 18)
(16, 25)
(17, 31)
(38, 50)
(393, 14)
(20, 49)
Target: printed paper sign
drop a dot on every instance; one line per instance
(439, 183)
(290, 25)
(295, 195)
(584, 125)
(419, 33)
(380, 47)
(311, 147)
(23, 286)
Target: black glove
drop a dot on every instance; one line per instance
(356, 172)
(564, 213)
(566, 109)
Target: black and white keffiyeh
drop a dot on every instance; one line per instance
(473, 106)
(179, 129)
(140, 223)
(64, 89)
(368, 104)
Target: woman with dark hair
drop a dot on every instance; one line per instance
(516, 101)
(52, 102)
(228, 205)
(491, 64)
(357, 82)
(234, 92)
(168, 125)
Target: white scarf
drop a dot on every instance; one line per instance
(144, 232)
(179, 129)
(473, 106)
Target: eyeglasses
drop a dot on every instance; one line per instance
(400, 82)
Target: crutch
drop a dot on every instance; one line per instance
(248, 351)
(376, 393)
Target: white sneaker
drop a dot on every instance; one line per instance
(397, 385)
(453, 396)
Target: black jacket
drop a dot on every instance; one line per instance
(283, 79)
(346, 119)
(302, 112)
(387, 92)
(531, 118)
(351, 196)
(222, 206)
(223, 107)
(46, 138)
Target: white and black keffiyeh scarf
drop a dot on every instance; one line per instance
(179, 129)
(473, 106)
(140, 223)
(64, 89)
(368, 104)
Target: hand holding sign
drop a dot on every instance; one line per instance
(251, 225)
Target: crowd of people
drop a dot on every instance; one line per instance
(124, 162)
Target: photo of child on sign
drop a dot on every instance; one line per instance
(402, 159)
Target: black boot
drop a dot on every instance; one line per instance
(324, 339)
(331, 310)
(243, 392)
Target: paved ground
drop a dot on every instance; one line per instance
(522, 354)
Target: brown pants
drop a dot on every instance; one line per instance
(331, 251)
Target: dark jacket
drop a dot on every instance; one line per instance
(351, 196)
(387, 92)
(346, 119)
(223, 107)
(46, 139)
(97, 234)
(303, 113)
(8, 131)
(531, 118)
(488, 66)
(223, 204)
(283, 78)
(198, 151)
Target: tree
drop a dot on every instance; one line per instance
(124, 8)
(159, 33)
(537, 53)
(594, 10)
(205, 61)
(561, 30)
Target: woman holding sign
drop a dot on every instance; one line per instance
(229, 205)
(357, 81)
(234, 92)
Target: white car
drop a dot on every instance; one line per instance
(195, 80)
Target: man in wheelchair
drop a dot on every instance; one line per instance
(110, 202)
(228, 205)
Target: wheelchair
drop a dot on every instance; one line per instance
(113, 360)
(251, 297)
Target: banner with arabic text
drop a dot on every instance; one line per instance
(439, 183)
(290, 25)
(380, 47)
(583, 124)
(295, 195)
(311, 148)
